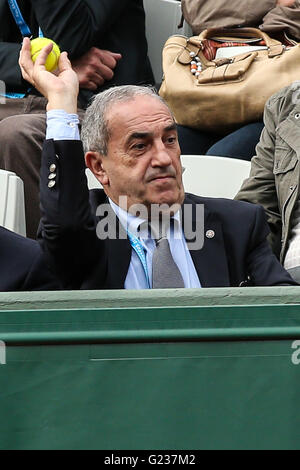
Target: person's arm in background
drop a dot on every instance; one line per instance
(75, 26)
(95, 67)
(23, 265)
(220, 13)
(262, 265)
(284, 17)
(260, 187)
(10, 74)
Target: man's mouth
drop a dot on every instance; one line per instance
(162, 177)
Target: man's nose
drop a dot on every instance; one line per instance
(160, 155)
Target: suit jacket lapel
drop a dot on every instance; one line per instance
(117, 248)
(210, 261)
(119, 256)
(118, 252)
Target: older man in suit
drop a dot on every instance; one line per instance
(115, 239)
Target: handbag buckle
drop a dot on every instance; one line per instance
(224, 61)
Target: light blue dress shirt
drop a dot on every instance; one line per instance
(64, 126)
(136, 278)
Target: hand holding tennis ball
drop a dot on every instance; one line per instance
(59, 88)
(53, 57)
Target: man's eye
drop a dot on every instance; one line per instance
(139, 146)
(171, 140)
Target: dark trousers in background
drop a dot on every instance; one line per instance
(22, 133)
(238, 144)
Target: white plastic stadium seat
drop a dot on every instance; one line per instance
(162, 20)
(214, 176)
(12, 206)
(205, 175)
(92, 181)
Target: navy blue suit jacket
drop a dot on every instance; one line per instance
(238, 250)
(22, 264)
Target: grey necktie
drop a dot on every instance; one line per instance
(165, 272)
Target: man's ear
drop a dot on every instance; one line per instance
(94, 161)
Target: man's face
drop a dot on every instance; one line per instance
(143, 158)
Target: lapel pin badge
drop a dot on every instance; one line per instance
(210, 234)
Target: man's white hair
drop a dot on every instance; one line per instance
(95, 129)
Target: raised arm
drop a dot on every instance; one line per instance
(61, 90)
(68, 226)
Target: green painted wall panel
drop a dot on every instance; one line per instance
(135, 377)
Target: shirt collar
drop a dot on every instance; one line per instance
(131, 223)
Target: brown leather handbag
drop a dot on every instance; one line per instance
(221, 95)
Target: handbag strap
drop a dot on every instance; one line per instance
(275, 47)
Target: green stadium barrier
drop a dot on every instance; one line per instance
(173, 369)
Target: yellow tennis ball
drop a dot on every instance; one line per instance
(52, 59)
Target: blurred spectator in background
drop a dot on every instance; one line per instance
(106, 42)
(280, 19)
(275, 175)
(23, 265)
